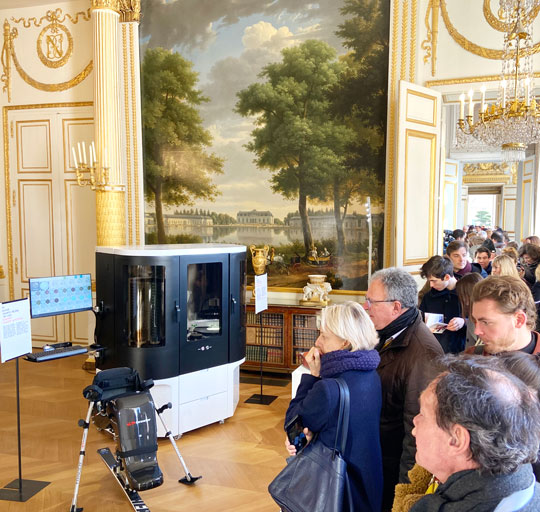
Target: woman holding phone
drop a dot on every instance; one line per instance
(345, 349)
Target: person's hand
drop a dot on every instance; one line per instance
(313, 359)
(291, 448)
(455, 324)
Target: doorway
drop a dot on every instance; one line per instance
(484, 206)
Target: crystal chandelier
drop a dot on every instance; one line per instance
(513, 122)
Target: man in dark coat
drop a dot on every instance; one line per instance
(442, 299)
(457, 252)
(406, 347)
(474, 434)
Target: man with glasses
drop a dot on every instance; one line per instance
(406, 347)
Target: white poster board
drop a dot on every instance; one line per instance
(15, 331)
(261, 293)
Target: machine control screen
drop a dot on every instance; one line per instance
(60, 295)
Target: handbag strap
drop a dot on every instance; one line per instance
(343, 417)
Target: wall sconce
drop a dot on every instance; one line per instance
(90, 172)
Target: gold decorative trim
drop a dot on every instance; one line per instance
(501, 26)
(113, 5)
(51, 16)
(425, 96)
(8, 51)
(130, 11)
(128, 136)
(7, 181)
(523, 183)
(391, 128)
(412, 59)
(62, 86)
(490, 172)
(404, 31)
(503, 180)
(432, 137)
(4, 58)
(135, 135)
(468, 45)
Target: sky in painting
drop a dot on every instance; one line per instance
(229, 42)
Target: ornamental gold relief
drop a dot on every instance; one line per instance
(495, 21)
(54, 45)
(113, 5)
(130, 10)
(54, 48)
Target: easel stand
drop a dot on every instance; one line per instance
(260, 398)
(19, 489)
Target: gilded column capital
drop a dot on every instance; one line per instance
(113, 5)
(130, 10)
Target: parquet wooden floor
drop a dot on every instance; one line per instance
(237, 459)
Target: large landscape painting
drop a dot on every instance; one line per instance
(264, 123)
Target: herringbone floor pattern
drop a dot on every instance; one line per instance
(237, 459)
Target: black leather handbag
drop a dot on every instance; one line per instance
(315, 479)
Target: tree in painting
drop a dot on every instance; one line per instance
(177, 167)
(296, 137)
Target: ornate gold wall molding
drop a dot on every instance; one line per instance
(490, 172)
(429, 45)
(497, 22)
(113, 5)
(50, 47)
(56, 16)
(390, 143)
(130, 10)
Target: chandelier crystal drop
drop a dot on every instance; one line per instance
(513, 121)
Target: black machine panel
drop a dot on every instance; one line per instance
(204, 323)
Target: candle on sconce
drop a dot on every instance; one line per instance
(84, 153)
(74, 156)
(462, 106)
(79, 150)
(93, 151)
(483, 105)
(471, 92)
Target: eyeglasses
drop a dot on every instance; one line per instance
(370, 302)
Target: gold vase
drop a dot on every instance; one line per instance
(259, 257)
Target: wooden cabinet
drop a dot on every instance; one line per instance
(279, 334)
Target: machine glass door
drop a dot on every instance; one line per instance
(146, 305)
(206, 312)
(204, 304)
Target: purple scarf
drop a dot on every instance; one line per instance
(339, 361)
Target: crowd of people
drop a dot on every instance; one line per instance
(444, 383)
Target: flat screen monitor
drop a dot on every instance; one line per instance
(60, 295)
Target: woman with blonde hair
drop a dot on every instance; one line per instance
(345, 349)
(504, 265)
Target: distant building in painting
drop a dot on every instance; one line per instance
(176, 220)
(255, 217)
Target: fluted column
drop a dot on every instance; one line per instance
(110, 199)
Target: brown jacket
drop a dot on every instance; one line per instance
(405, 372)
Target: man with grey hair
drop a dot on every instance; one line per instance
(406, 347)
(477, 433)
